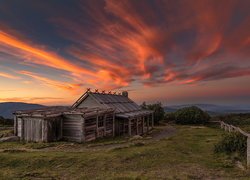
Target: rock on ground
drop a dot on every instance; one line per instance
(9, 139)
(136, 137)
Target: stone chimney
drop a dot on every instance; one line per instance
(125, 93)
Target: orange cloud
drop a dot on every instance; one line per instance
(40, 56)
(52, 83)
(6, 75)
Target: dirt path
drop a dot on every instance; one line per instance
(165, 132)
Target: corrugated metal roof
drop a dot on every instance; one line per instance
(123, 106)
(134, 114)
(120, 103)
(58, 111)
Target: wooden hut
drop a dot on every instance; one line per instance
(53, 124)
(130, 119)
(94, 115)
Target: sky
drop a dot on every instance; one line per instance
(172, 51)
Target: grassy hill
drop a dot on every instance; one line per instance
(186, 155)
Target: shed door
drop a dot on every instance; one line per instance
(32, 130)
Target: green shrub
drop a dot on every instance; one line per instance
(191, 115)
(233, 142)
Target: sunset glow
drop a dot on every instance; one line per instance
(184, 51)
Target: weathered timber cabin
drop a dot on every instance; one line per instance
(94, 115)
(130, 119)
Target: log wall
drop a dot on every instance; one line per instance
(90, 128)
(72, 127)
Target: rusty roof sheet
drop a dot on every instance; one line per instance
(120, 103)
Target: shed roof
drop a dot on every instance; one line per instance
(124, 106)
(58, 111)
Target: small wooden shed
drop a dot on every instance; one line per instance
(39, 125)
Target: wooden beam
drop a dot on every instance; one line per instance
(137, 131)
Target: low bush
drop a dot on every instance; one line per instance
(233, 142)
(236, 119)
(169, 116)
(191, 115)
(6, 122)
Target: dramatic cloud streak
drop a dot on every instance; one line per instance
(53, 83)
(111, 44)
(155, 48)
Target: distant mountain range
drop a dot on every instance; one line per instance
(212, 109)
(6, 109)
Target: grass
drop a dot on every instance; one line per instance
(187, 155)
(5, 132)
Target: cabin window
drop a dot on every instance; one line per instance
(100, 121)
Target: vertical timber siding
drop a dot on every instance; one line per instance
(35, 129)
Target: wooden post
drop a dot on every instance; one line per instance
(137, 131)
(225, 128)
(83, 130)
(248, 151)
(22, 129)
(104, 123)
(152, 120)
(129, 127)
(143, 118)
(96, 134)
(61, 127)
(15, 125)
(44, 131)
(147, 123)
(113, 125)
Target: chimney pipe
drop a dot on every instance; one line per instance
(125, 93)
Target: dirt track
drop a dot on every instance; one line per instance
(166, 131)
